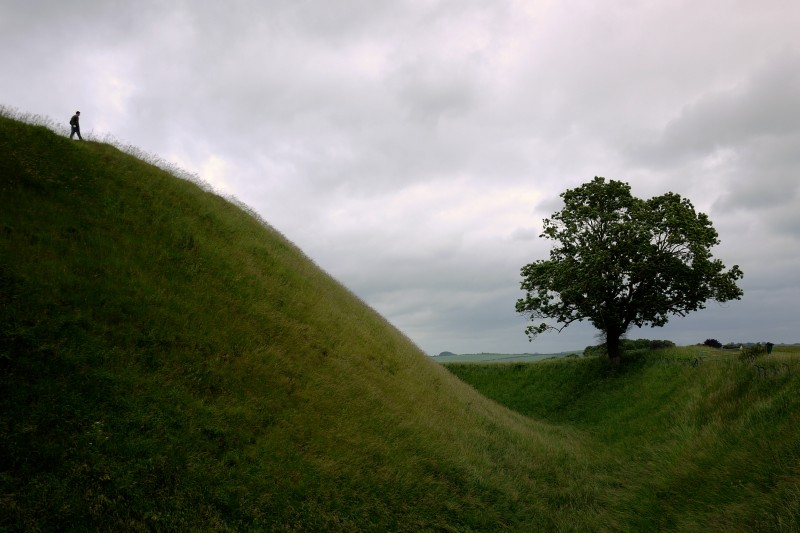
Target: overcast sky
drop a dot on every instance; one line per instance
(412, 148)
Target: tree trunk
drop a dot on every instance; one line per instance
(614, 348)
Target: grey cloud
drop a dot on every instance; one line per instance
(767, 173)
(377, 135)
(525, 234)
(760, 107)
(431, 92)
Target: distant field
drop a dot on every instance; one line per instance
(701, 351)
(500, 357)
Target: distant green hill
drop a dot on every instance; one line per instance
(169, 362)
(448, 357)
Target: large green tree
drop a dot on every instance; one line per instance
(621, 261)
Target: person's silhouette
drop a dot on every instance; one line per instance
(76, 125)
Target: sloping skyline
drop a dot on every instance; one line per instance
(412, 148)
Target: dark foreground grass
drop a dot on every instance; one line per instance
(168, 362)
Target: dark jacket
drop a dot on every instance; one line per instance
(75, 120)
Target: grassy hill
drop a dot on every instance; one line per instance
(169, 362)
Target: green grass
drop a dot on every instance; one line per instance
(695, 439)
(170, 362)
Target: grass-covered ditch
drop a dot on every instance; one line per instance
(695, 438)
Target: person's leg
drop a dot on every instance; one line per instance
(72, 134)
(78, 131)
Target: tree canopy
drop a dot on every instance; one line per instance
(621, 261)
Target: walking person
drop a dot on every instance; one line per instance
(76, 125)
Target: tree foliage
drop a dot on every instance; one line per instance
(621, 261)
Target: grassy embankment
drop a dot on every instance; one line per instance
(169, 362)
(695, 439)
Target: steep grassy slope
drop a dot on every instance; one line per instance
(168, 362)
(697, 446)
